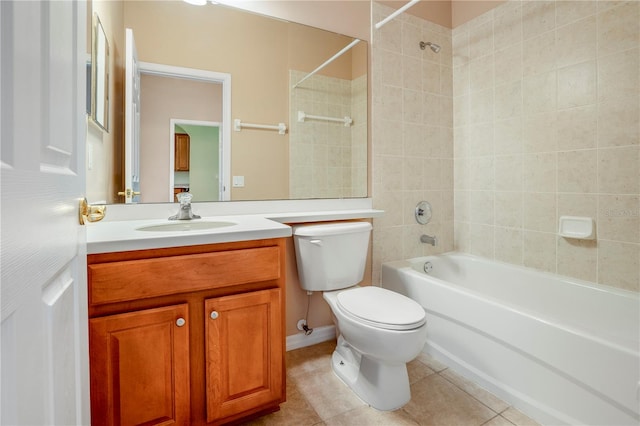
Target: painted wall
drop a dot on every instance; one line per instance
(546, 112)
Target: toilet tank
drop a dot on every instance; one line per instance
(331, 256)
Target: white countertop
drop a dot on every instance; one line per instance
(124, 235)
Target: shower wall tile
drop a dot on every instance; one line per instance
(539, 172)
(571, 10)
(577, 85)
(577, 258)
(481, 240)
(539, 54)
(508, 245)
(577, 128)
(618, 170)
(540, 133)
(619, 264)
(578, 205)
(508, 137)
(537, 17)
(507, 26)
(540, 212)
(508, 173)
(508, 62)
(481, 72)
(508, 209)
(618, 123)
(618, 77)
(564, 115)
(619, 218)
(618, 28)
(576, 171)
(539, 250)
(539, 93)
(575, 42)
(412, 135)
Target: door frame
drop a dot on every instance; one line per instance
(224, 79)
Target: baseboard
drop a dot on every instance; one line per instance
(319, 335)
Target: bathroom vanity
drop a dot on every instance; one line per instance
(187, 318)
(187, 334)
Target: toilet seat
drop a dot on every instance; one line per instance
(381, 308)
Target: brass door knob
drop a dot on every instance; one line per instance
(91, 213)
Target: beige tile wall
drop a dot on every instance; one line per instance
(546, 112)
(412, 136)
(327, 159)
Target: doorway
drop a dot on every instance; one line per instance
(201, 176)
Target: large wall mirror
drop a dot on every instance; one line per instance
(322, 154)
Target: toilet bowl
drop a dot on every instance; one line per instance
(378, 330)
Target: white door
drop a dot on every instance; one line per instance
(44, 343)
(132, 121)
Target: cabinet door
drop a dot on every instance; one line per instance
(140, 367)
(244, 349)
(182, 152)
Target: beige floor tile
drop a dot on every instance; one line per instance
(367, 416)
(295, 411)
(518, 418)
(312, 358)
(486, 397)
(418, 370)
(498, 421)
(436, 401)
(432, 363)
(326, 393)
(440, 397)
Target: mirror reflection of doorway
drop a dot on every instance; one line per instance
(169, 93)
(197, 160)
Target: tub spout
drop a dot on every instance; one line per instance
(428, 239)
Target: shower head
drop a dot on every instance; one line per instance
(432, 46)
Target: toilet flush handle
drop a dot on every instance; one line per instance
(316, 242)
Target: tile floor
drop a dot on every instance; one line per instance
(440, 397)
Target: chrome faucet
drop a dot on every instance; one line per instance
(427, 239)
(185, 212)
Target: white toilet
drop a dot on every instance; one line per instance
(378, 330)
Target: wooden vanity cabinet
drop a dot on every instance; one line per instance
(190, 335)
(140, 367)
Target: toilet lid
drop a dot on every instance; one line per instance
(382, 308)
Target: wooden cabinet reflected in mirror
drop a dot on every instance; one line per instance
(182, 153)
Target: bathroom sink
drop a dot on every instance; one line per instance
(186, 226)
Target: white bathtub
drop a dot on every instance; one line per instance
(561, 350)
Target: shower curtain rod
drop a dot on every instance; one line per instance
(396, 13)
(328, 61)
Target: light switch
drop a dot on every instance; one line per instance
(238, 181)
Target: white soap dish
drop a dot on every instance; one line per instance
(577, 227)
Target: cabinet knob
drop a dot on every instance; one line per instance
(180, 322)
(214, 315)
